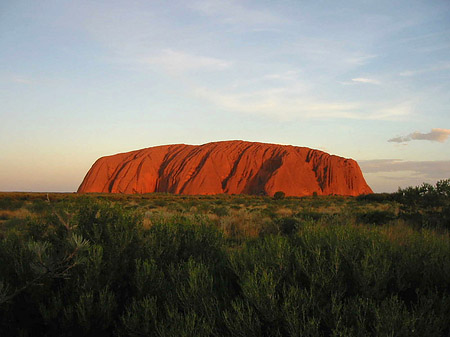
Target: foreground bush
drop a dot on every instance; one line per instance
(426, 205)
(91, 269)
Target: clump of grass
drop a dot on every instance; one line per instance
(243, 224)
(220, 211)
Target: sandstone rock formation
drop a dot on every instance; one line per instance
(232, 167)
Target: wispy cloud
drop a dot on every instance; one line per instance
(22, 80)
(290, 75)
(286, 103)
(435, 135)
(360, 80)
(432, 169)
(395, 111)
(325, 59)
(330, 54)
(424, 37)
(275, 102)
(441, 67)
(366, 80)
(177, 62)
(233, 12)
(358, 59)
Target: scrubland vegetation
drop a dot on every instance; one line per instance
(165, 265)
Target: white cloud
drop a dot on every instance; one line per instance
(366, 80)
(395, 111)
(441, 67)
(287, 103)
(275, 102)
(178, 62)
(431, 169)
(435, 135)
(22, 80)
(326, 57)
(359, 59)
(290, 75)
(233, 12)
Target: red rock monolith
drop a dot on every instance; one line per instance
(231, 167)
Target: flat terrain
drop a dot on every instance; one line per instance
(250, 213)
(221, 265)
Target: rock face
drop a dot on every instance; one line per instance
(232, 167)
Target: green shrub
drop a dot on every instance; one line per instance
(288, 225)
(220, 211)
(38, 206)
(279, 195)
(14, 224)
(375, 197)
(10, 204)
(426, 205)
(375, 217)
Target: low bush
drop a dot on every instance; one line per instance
(220, 210)
(375, 197)
(375, 217)
(38, 206)
(279, 195)
(426, 205)
(288, 225)
(10, 204)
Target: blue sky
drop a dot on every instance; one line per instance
(80, 79)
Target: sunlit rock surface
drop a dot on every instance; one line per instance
(232, 167)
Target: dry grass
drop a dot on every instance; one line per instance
(243, 224)
(20, 213)
(284, 212)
